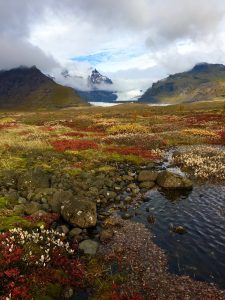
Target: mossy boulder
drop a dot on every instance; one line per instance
(170, 180)
(79, 213)
(147, 175)
(58, 198)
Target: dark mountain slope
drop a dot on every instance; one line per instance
(203, 82)
(28, 88)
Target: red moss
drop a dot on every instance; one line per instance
(133, 151)
(48, 219)
(8, 126)
(63, 145)
(77, 134)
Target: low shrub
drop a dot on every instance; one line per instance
(73, 145)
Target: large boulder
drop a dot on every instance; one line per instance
(79, 213)
(33, 179)
(170, 180)
(147, 175)
(58, 198)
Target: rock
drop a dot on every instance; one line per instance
(62, 229)
(135, 191)
(68, 293)
(111, 222)
(126, 216)
(106, 234)
(151, 219)
(132, 186)
(45, 207)
(32, 179)
(12, 195)
(179, 229)
(79, 213)
(147, 184)
(58, 198)
(128, 199)
(32, 208)
(93, 191)
(75, 232)
(89, 247)
(147, 175)
(22, 200)
(173, 181)
(110, 195)
(151, 165)
(39, 213)
(127, 178)
(19, 209)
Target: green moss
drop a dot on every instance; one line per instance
(106, 169)
(3, 202)
(101, 156)
(10, 222)
(73, 172)
(7, 120)
(10, 162)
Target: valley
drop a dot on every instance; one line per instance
(106, 200)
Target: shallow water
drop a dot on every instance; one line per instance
(200, 252)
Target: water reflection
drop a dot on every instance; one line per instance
(200, 252)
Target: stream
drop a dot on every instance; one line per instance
(200, 253)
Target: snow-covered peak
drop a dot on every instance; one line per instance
(97, 78)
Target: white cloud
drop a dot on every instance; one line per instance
(145, 40)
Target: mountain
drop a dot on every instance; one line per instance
(203, 82)
(28, 88)
(96, 79)
(99, 86)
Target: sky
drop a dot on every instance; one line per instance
(133, 42)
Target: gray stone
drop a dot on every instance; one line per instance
(79, 213)
(147, 175)
(89, 247)
(173, 181)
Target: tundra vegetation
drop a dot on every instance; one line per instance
(91, 160)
